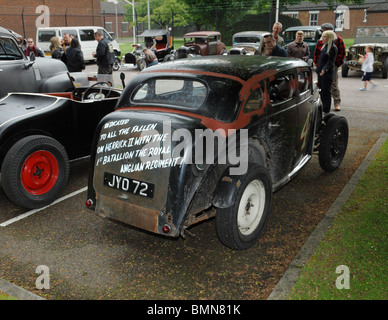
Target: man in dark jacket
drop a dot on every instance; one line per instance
(272, 48)
(104, 54)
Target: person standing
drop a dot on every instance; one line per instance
(276, 29)
(325, 68)
(340, 44)
(74, 57)
(56, 48)
(367, 67)
(298, 48)
(104, 54)
(31, 48)
(273, 49)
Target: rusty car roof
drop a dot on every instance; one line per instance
(243, 67)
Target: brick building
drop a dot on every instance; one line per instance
(21, 15)
(369, 13)
(120, 27)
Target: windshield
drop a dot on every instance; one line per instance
(251, 39)
(216, 98)
(309, 35)
(9, 50)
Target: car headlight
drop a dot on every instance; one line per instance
(379, 49)
(353, 49)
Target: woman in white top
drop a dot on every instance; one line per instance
(367, 67)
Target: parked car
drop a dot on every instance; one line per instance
(156, 172)
(199, 43)
(311, 36)
(377, 37)
(84, 34)
(246, 42)
(157, 40)
(22, 74)
(40, 133)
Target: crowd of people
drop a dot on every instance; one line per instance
(329, 55)
(68, 50)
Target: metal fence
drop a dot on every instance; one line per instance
(225, 19)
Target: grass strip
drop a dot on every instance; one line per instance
(356, 244)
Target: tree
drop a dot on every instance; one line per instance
(162, 13)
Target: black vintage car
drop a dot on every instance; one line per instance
(40, 133)
(157, 40)
(22, 74)
(212, 136)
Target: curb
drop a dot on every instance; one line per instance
(17, 292)
(289, 278)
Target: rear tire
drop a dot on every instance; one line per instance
(240, 226)
(333, 143)
(385, 69)
(35, 171)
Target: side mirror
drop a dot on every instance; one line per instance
(122, 77)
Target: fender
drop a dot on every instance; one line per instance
(228, 184)
(226, 187)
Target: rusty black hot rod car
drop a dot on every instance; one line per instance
(40, 133)
(222, 133)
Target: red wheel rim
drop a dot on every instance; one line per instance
(39, 172)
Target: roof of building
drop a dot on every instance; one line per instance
(110, 8)
(370, 5)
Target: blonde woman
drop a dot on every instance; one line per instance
(325, 68)
(56, 48)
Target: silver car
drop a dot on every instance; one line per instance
(21, 74)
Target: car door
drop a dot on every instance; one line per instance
(306, 104)
(281, 124)
(16, 72)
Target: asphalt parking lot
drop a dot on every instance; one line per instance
(89, 257)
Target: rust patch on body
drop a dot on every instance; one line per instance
(128, 213)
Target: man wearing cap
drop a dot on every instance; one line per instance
(339, 42)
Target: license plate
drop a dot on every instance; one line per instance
(137, 187)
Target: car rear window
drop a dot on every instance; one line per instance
(176, 92)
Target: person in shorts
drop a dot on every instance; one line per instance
(367, 67)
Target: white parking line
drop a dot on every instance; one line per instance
(25, 215)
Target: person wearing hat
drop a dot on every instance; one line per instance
(339, 42)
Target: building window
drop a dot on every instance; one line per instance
(125, 27)
(108, 26)
(292, 14)
(339, 20)
(313, 18)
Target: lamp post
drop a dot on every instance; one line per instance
(117, 25)
(133, 19)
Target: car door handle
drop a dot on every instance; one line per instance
(273, 125)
